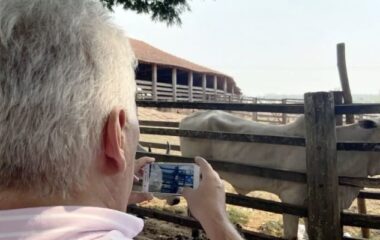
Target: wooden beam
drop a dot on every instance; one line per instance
(338, 100)
(190, 81)
(254, 114)
(321, 162)
(204, 86)
(174, 84)
(225, 89)
(216, 87)
(154, 82)
(233, 93)
(284, 115)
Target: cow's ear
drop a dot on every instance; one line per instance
(367, 124)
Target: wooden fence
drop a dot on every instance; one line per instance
(158, 91)
(321, 146)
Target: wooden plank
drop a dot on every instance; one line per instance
(361, 182)
(160, 146)
(369, 195)
(264, 172)
(164, 85)
(361, 220)
(284, 115)
(338, 100)
(358, 108)
(149, 88)
(254, 114)
(292, 141)
(321, 162)
(280, 108)
(159, 123)
(358, 146)
(183, 87)
(230, 166)
(165, 89)
(148, 82)
(265, 205)
(183, 91)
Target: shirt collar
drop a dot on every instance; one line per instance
(66, 222)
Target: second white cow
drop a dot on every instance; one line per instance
(350, 163)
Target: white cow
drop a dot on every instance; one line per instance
(350, 163)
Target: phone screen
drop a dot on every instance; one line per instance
(170, 177)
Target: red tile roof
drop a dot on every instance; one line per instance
(149, 54)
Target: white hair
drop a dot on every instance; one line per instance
(63, 67)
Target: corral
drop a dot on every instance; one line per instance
(322, 224)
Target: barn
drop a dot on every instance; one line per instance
(162, 76)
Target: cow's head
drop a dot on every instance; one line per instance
(373, 125)
(171, 200)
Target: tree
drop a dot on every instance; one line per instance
(168, 11)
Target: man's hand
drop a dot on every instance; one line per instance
(210, 197)
(208, 204)
(138, 197)
(139, 165)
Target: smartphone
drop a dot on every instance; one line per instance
(170, 178)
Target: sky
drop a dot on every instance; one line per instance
(283, 47)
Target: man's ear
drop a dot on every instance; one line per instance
(114, 161)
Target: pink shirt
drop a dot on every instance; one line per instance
(65, 223)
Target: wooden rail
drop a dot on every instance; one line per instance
(225, 136)
(287, 108)
(234, 167)
(274, 108)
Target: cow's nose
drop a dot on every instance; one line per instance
(175, 201)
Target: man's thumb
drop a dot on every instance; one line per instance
(186, 192)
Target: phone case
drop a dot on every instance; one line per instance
(170, 178)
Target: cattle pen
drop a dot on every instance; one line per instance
(322, 114)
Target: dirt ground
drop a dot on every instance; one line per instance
(255, 220)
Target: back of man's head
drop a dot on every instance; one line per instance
(63, 66)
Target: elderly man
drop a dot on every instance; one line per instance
(69, 129)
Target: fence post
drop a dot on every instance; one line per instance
(216, 88)
(254, 114)
(321, 162)
(338, 100)
(284, 115)
(233, 93)
(204, 86)
(190, 81)
(225, 89)
(174, 84)
(154, 82)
